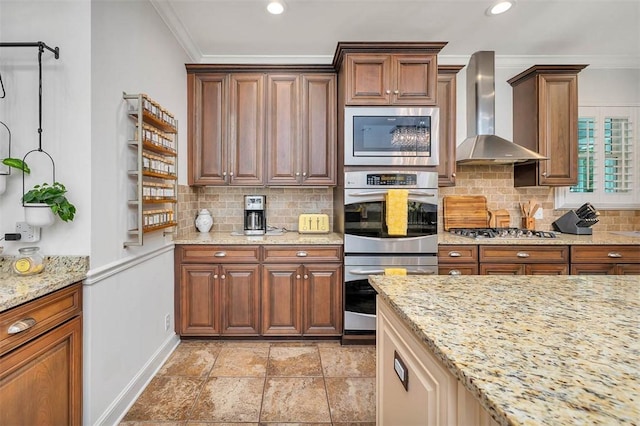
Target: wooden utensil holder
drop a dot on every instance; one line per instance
(529, 223)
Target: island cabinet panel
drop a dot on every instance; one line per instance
(413, 387)
(41, 367)
(545, 120)
(524, 260)
(605, 260)
(457, 259)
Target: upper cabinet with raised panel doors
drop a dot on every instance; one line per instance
(447, 104)
(545, 120)
(387, 73)
(250, 125)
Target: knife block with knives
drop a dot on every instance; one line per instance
(578, 222)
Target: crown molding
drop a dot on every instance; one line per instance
(518, 61)
(177, 28)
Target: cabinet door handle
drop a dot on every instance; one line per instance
(455, 272)
(306, 276)
(297, 173)
(223, 276)
(522, 254)
(298, 277)
(21, 325)
(220, 254)
(215, 276)
(454, 254)
(395, 92)
(614, 254)
(387, 91)
(301, 254)
(304, 174)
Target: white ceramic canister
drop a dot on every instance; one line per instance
(204, 221)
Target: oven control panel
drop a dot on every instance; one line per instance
(395, 179)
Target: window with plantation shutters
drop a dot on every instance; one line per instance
(608, 160)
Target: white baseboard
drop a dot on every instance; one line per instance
(119, 407)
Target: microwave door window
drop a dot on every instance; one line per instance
(392, 136)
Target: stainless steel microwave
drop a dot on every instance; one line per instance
(391, 136)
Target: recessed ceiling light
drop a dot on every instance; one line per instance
(276, 7)
(500, 7)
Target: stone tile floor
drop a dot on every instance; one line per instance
(260, 383)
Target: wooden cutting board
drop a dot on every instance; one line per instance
(499, 219)
(465, 211)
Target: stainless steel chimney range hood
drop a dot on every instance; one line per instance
(482, 146)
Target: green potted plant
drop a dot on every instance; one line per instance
(15, 163)
(43, 202)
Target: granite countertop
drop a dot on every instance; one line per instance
(59, 272)
(533, 350)
(598, 237)
(283, 238)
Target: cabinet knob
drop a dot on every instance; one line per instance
(298, 277)
(20, 326)
(544, 174)
(304, 174)
(387, 91)
(223, 276)
(306, 277)
(522, 254)
(220, 254)
(453, 174)
(395, 92)
(455, 272)
(302, 254)
(614, 254)
(297, 173)
(454, 254)
(224, 174)
(215, 276)
(231, 174)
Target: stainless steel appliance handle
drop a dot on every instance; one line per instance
(384, 192)
(381, 271)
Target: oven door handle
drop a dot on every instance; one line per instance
(384, 192)
(381, 271)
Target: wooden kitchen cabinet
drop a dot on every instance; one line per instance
(302, 291)
(447, 104)
(301, 129)
(605, 260)
(41, 367)
(524, 260)
(457, 259)
(402, 73)
(226, 122)
(545, 120)
(220, 297)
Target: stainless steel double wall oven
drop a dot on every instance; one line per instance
(368, 247)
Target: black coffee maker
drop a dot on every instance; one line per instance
(255, 214)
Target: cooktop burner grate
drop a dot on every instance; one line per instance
(501, 233)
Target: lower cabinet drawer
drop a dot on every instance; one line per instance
(524, 254)
(459, 269)
(218, 254)
(605, 254)
(25, 322)
(302, 254)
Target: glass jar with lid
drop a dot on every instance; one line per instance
(29, 262)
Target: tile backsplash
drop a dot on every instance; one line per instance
(226, 205)
(285, 204)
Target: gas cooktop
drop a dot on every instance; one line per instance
(501, 233)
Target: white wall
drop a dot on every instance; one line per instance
(66, 120)
(129, 291)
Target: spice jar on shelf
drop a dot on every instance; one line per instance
(29, 262)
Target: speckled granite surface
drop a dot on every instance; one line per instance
(610, 238)
(285, 238)
(60, 271)
(535, 350)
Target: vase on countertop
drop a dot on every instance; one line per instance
(204, 221)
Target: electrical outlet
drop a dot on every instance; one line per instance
(29, 234)
(167, 322)
(538, 214)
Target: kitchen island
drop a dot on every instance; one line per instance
(534, 350)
